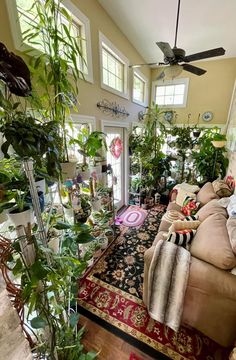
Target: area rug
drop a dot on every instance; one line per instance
(112, 296)
(133, 216)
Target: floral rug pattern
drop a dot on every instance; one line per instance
(113, 292)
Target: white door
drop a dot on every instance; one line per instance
(118, 166)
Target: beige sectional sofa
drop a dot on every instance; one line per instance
(210, 299)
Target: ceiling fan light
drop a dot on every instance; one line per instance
(173, 71)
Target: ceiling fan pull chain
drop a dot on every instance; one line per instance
(177, 23)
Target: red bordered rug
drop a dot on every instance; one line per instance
(112, 295)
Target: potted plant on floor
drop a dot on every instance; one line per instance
(56, 68)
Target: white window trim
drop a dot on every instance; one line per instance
(84, 119)
(139, 74)
(171, 82)
(17, 36)
(103, 40)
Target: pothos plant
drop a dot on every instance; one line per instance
(56, 66)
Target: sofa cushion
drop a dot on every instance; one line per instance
(211, 243)
(206, 194)
(181, 196)
(221, 188)
(173, 206)
(231, 227)
(182, 225)
(212, 207)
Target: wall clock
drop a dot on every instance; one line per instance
(207, 116)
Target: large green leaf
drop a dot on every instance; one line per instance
(38, 323)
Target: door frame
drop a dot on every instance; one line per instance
(126, 127)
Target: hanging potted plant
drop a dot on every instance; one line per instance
(219, 140)
(56, 69)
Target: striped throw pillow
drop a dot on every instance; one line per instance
(191, 218)
(182, 237)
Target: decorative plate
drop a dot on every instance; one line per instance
(168, 116)
(207, 116)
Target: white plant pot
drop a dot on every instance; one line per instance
(3, 216)
(68, 170)
(54, 244)
(97, 169)
(22, 218)
(41, 185)
(96, 204)
(85, 174)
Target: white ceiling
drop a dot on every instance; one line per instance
(203, 24)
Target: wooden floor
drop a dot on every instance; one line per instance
(109, 346)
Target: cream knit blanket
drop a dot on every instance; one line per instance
(167, 279)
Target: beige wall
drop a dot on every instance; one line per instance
(90, 93)
(209, 92)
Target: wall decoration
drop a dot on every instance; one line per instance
(168, 115)
(207, 116)
(112, 108)
(116, 147)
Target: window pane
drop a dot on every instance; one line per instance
(160, 100)
(170, 90)
(178, 99)
(169, 100)
(160, 90)
(105, 76)
(138, 89)
(179, 89)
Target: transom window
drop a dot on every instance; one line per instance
(113, 68)
(22, 14)
(171, 93)
(140, 88)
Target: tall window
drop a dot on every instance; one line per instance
(140, 88)
(22, 14)
(114, 68)
(171, 93)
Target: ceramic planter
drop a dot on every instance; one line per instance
(21, 218)
(68, 170)
(196, 133)
(97, 169)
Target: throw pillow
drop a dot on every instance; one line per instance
(221, 188)
(190, 206)
(191, 218)
(182, 237)
(173, 215)
(211, 243)
(181, 196)
(206, 194)
(184, 225)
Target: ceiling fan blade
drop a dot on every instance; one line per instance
(193, 69)
(205, 54)
(166, 49)
(139, 65)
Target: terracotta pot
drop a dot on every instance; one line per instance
(21, 218)
(68, 170)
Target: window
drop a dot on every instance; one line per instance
(114, 68)
(78, 122)
(140, 88)
(21, 17)
(171, 93)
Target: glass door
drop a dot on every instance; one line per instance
(117, 166)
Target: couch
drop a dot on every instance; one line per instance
(210, 298)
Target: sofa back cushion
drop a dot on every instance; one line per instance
(231, 227)
(212, 207)
(211, 243)
(206, 194)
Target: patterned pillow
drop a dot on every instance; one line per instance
(191, 218)
(190, 206)
(182, 237)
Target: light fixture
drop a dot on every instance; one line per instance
(172, 71)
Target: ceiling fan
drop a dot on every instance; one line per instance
(176, 56)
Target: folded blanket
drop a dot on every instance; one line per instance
(167, 279)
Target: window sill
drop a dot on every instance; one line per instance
(114, 91)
